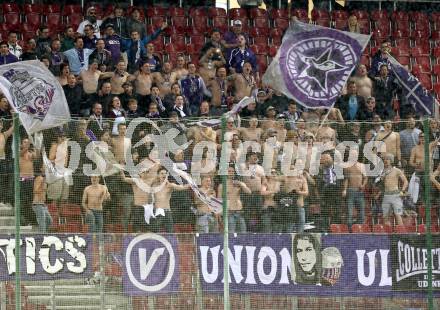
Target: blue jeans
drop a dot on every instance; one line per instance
(207, 223)
(44, 219)
(236, 222)
(355, 197)
(269, 222)
(94, 218)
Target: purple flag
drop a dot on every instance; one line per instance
(314, 63)
(419, 97)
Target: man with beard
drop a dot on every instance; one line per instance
(68, 39)
(219, 90)
(101, 55)
(90, 19)
(244, 82)
(163, 80)
(384, 89)
(30, 53)
(78, 57)
(56, 57)
(118, 22)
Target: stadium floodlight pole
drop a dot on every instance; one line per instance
(17, 206)
(428, 210)
(226, 302)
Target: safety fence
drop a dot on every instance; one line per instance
(106, 179)
(185, 271)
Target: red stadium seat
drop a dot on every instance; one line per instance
(151, 11)
(199, 22)
(301, 14)
(401, 33)
(423, 60)
(320, 14)
(197, 11)
(176, 11)
(262, 63)
(257, 12)
(198, 40)
(261, 22)
(436, 88)
(173, 30)
(273, 49)
(259, 49)
(400, 229)
(179, 21)
(425, 80)
(25, 27)
(436, 70)
(403, 60)
(402, 43)
(383, 26)
(399, 16)
(10, 8)
(421, 34)
(72, 9)
(418, 15)
(235, 13)
(380, 35)
(277, 13)
(323, 22)
(422, 228)
(377, 15)
(51, 8)
(220, 22)
(340, 24)
(361, 14)
(339, 14)
(282, 23)
(74, 20)
(12, 20)
(178, 39)
(364, 25)
(365, 60)
(213, 12)
(256, 32)
(420, 69)
(53, 21)
(360, 229)
(400, 51)
(32, 8)
(402, 25)
(339, 228)
(420, 51)
(33, 19)
(382, 229)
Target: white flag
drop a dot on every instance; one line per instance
(34, 93)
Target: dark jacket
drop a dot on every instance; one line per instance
(74, 96)
(7, 59)
(342, 104)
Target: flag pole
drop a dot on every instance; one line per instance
(17, 207)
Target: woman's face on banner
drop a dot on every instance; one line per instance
(306, 254)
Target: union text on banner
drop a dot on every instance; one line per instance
(307, 264)
(314, 63)
(419, 97)
(47, 257)
(35, 93)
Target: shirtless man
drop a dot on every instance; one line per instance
(219, 89)
(252, 133)
(179, 72)
(208, 65)
(294, 187)
(207, 219)
(27, 157)
(392, 201)
(391, 140)
(269, 121)
(5, 169)
(163, 79)
(58, 191)
(325, 130)
(162, 201)
(141, 196)
(417, 157)
(121, 144)
(118, 78)
(93, 197)
(235, 208)
(90, 78)
(355, 182)
(244, 83)
(254, 201)
(42, 214)
(144, 80)
(363, 82)
(270, 209)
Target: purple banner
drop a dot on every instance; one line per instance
(46, 257)
(300, 264)
(151, 264)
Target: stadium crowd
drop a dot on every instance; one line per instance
(111, 75)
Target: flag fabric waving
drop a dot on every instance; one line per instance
(313, 63)
(417, 95)
(34, 93)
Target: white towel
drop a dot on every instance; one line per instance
(414, 187)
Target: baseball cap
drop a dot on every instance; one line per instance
(269, 108)
(110, 25)
(237, 22)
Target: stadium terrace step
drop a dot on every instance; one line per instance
(43, 290)
(7, 221)
(82, 301)
(10, 229)
(6, 210)
(90, 307)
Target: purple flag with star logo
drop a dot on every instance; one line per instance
(314, 63)
(417, 95)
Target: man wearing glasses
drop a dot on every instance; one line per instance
(90, 19)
